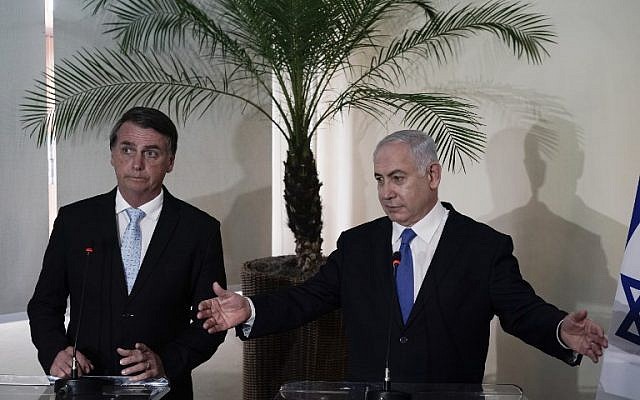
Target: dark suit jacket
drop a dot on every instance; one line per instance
(183, 259)
(473, 276)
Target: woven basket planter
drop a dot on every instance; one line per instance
(316, 351)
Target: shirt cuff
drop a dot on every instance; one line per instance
(557, 334)
(246, 327)
(576, 357)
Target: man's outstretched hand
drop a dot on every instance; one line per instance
(583, 335)
(223, 312)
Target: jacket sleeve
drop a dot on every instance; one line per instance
(521, 311)
(194, 345)
(294, 306)
(47, 307)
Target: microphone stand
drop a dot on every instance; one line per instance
(74, 387)
(386, 393)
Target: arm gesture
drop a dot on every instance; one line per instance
(583, 335)
(225, 311)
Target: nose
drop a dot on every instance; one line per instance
(386, 191)
(138, 161)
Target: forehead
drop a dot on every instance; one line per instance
(131, 133)
(394, 156)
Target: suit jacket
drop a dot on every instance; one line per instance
(184, 257)
(472, 277)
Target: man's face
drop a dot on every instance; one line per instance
(406, 194)
(141, 157)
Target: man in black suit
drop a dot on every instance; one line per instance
(138, 317)
(454, 275)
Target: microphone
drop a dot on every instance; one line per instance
(68, 388)
(386, 393)
(88, 251)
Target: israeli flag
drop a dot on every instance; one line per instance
(620, 376)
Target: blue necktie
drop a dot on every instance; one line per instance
(404, 274)
(132, 246)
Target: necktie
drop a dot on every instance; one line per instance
(404, 274)
(132, 246)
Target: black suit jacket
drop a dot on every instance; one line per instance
(472, 277)
(183, 259)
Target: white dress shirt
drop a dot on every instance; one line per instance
(423, 246)
(147, 224)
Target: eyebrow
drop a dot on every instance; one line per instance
(149, 147)
(394, 172)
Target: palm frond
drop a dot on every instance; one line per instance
(142, 24)
(95, 6)
(95, 87)
(451, 121)
(524, 32)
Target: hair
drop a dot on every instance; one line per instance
(148, 118)
(422, 147)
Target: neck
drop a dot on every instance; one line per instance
(136, 201)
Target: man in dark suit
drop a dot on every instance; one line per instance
(141, 281)
(454, 275)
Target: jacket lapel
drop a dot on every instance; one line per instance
(163, 232)
(107, 244)
(440, 267)
(382, 251)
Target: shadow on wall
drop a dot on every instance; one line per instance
(565, 261)
(246, 226)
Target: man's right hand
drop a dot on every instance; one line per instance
(225, 311)
(61, 366)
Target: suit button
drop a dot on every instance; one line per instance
(404, 339)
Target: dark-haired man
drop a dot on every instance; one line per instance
(151, 260)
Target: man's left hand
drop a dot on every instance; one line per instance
(141, 363)
(583, 335)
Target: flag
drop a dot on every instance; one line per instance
(620, 376)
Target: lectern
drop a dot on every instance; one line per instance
(15, 387)
(314, 390)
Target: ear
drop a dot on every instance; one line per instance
(434, 172)
(170, 167)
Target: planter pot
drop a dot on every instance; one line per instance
(316, 351)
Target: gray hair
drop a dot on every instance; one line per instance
(422, 147)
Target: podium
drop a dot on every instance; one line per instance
(315, 390)
(16, 387)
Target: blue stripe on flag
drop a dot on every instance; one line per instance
(635, 216)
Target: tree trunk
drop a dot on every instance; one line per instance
(304, 209)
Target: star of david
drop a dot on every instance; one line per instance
(632, 319)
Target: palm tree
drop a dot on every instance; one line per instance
(184, 55)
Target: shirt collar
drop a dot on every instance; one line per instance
(151, 208)
(425, 228)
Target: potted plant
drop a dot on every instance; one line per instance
(183, 55)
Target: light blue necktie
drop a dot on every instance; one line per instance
(132, 246)
(404, 274)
